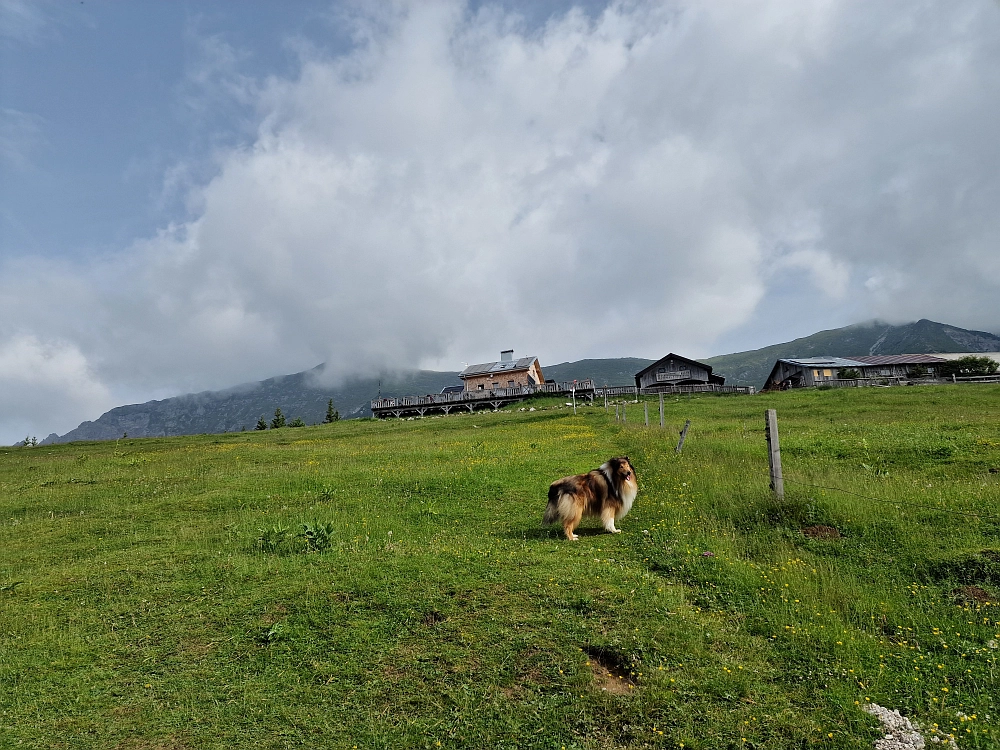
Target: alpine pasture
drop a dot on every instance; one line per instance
(387, 584)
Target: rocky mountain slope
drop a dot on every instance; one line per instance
(300, 395)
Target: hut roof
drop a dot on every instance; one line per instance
(488, 368)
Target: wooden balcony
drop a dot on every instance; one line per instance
(444, 403)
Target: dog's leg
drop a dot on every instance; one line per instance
(608, 518)
(570, 522)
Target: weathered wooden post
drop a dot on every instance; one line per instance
(661, 410)
(574, 398)
(617, 418)
(624, 412)
(684, 434)
(645, 410)
(774, 452)
(605, 397)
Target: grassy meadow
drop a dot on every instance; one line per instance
(387, 584)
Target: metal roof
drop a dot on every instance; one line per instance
(498, 367)
(901, 359)
(823, 362)
(865, 361)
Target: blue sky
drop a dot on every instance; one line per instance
(197, 194)
(113, 98)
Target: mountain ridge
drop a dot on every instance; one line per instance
(302, 395)
(872, 337)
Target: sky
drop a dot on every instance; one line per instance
(199, 194)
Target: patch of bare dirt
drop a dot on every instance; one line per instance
(610, 672)
(971, 595)
(821, 532)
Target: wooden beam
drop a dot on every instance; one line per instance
(774, 452)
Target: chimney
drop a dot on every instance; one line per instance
(507, 355)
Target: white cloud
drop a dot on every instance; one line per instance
(625, 185)
(47, 385)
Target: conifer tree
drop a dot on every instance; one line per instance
(332, 415)
(297, 422)
(261, 423)
(279, 419)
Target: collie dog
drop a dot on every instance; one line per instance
(607, 492)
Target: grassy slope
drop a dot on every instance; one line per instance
(441, 615)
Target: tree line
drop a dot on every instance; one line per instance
(278, 421)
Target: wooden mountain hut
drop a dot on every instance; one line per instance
(666, 374)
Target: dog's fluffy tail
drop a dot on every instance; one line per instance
(552, 509)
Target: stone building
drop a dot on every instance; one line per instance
(507, 373)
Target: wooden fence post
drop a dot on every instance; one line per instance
(645, 409)
(774, 452)
(624, 414)
(617, 418)
(684, 434)
(661, 410)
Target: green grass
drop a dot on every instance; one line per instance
(388, 585)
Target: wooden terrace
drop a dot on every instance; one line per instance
(495, 399)
(444, 403)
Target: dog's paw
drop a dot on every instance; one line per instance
(574, 538)
(615, 531)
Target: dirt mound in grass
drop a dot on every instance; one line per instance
(821, 532)
(971, 595)
(610, 672)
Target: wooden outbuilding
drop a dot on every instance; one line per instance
(844, 371)
(672, 371)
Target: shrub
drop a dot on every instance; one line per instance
(272, 539)
(279, 419)
(849, 374)
(297, 422)
(317, 536)
(968, 367)
(261, 423)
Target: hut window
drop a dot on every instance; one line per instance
(815, 373)
(826, 373)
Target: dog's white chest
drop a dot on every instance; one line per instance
(628, 497)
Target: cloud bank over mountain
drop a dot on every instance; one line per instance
(626, 183)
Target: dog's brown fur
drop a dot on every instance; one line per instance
(607, 492)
